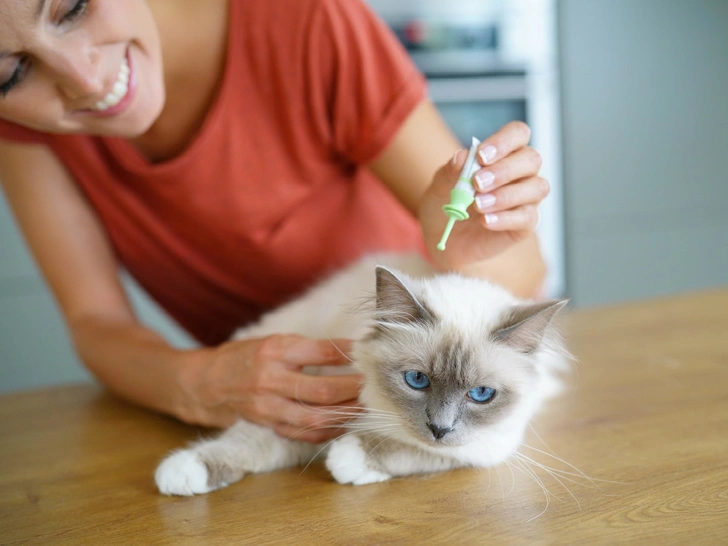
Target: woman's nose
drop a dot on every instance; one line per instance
(79, 75)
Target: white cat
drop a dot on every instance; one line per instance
(454, 369)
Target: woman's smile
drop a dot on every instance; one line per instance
(121, 94)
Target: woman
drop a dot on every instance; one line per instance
(229, 153)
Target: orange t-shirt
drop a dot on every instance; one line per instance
(272, 193)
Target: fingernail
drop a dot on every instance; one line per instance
(485, 201)
(484, 179)
(491, 218)
(455, 157)
(488, 153)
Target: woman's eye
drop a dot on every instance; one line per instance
(15, 78)
(481, 395)
(417, 380)
(76, 11)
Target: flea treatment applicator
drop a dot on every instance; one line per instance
(462, 195)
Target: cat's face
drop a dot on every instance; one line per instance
(457, 360)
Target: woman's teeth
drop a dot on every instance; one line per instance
(119, 90)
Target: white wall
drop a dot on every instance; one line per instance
(645, 125)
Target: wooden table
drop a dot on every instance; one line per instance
(647, 411)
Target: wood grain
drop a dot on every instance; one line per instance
(647, 407)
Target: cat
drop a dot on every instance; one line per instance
(454, 369)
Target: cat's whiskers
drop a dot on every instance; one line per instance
(382, 435)
(347, 416)
(324, 447)
(352, 409)
(350, 419)
(528, 471)
(376, 447)
(513, 477)
(554, 475)
(357, 411)
(528, 466)
(327, 444)
(350, 426)
(497, 472)
(356, 416)
(343, 416)
(367, 426)
(381, 411)
(540, 439)
(339, 350)
(578, 472)
(392, 445)
(531, 474)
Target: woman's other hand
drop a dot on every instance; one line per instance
(262, 381)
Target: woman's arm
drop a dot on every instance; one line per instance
(420, 167)
(258, 379)
(71, 249)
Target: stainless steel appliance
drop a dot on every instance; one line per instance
(474, 89)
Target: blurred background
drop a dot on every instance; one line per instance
(628, 104)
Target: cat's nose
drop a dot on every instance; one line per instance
(438, 432)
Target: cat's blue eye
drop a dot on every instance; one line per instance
(417, 380)
(481, 395)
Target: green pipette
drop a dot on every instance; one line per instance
(462, 195)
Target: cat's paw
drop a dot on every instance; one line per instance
(347, 462)
(182, 473)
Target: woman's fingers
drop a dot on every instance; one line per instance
(313, 436)
(529, 191)
(328, 390)
(520, 164)
(284, 357)
(301, 421)
(508, 188)
(298, 351)
(519, 219)
(509, 138)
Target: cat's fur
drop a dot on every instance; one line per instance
(461, 332)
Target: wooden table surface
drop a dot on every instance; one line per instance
(646, 412)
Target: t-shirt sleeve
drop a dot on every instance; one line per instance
(363, 80)
(18, 133)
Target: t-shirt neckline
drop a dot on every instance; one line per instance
(134, 160)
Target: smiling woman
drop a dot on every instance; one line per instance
(63, 61)
(137, 133)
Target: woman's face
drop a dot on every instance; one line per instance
(80, 66)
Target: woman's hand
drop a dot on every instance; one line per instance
(261, 380)
(508, 192)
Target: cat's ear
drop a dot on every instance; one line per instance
(525, 325)
(395, 304)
